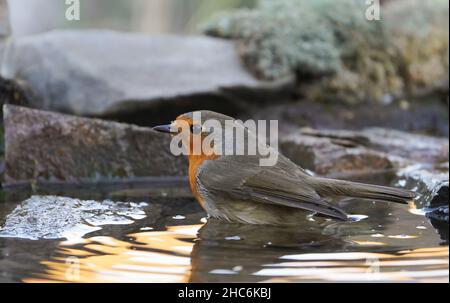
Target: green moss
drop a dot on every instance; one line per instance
(279, 38)
(350, 58)
(283, 37)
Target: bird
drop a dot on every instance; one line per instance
(235, 188)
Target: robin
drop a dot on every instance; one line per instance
(236, 188)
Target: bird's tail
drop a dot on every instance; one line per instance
(364, 191)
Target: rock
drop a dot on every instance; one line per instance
(440, 197)
(439, 214)
(426, 116)
(432, 183)
(12, 92)
(104, 73)
(430, 180)
(5, 29)
(418, 148)
(53, 217)
(440, 222)
(336, 54)
(50, 147)
(327, 156)
(435, 203)
(342, 151)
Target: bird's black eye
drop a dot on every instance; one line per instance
(196, 129)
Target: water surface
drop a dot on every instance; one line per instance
(172, 241)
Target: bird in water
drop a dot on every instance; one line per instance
(236, 188)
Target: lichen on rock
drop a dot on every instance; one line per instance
(350, 58)
(279, 38)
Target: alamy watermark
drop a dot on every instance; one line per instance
(229, 137)
(73, 10)
(373, 10)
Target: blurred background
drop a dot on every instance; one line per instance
(356, 98)
(155, 16)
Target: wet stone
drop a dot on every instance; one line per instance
(341, 151)
(12, 92)
(440, 214)
(50, 147)
(440, 196)
(431, 181)
(427, 115)
(54, 217)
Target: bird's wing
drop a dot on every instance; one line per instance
(243, 178)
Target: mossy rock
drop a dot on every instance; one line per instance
(336, 54)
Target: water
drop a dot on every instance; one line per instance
(164, 237)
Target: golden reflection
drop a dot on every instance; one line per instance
(174, 256)
(419, 265)
(156, 256)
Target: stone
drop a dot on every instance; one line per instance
(431, 180)
(338, 55)
(326, 156)
(426, 116)
(105, 73)
(54, 217)
(440, 221)
(440, 197)
(439, 214)
(12, 92)
(415, 147)
(373, 149)
(44, 147)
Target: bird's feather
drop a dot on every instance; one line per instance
(283, 184)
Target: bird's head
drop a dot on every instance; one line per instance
(191, 128)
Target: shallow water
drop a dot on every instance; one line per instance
(171, 241)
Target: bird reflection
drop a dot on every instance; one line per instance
(234, 252)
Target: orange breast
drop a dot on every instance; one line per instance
(194, 164)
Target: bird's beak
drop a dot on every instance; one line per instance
(163, 128)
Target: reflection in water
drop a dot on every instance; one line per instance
(209, 253)
(280, 254)
(161, 256)
(173, 243)
(425, 265)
